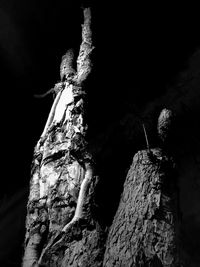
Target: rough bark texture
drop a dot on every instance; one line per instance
(144, 230)
(60, 228)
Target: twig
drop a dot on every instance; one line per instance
(146, 138)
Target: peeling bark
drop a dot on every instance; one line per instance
(62, 178)
(145, 228)
(62, 228)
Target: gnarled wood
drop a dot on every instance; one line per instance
(61, 229)
(63, 179)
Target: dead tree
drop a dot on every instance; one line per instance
(61, 228)
(63, 179)
(145, 230)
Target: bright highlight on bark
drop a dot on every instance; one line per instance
(63, 226)
(62, 167)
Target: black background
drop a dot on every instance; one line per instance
(140, 50)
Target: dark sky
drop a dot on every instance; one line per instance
(140, 50)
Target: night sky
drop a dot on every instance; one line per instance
(140, 53)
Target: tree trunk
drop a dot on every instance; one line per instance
(145, 228)
(61, 226)
(63, 180)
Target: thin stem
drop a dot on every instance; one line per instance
(146, 138)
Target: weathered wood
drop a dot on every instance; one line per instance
(145, 228)
(61, 227)
(59, 212)
(80, 243)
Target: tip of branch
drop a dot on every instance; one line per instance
(86, 13)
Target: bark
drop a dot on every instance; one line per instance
(145, 228)
(60, 226)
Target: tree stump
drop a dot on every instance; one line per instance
(145, 228)
(62, 228)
